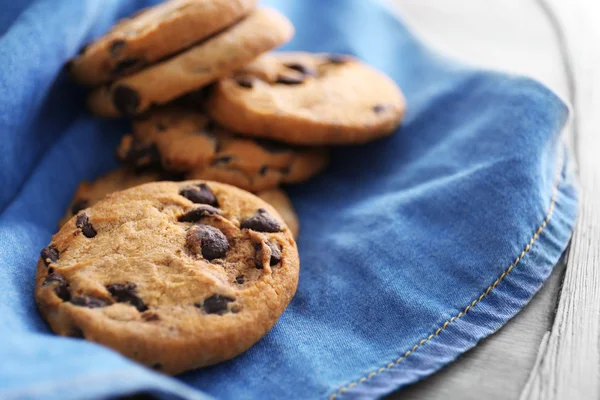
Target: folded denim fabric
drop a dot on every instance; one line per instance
(413, 248)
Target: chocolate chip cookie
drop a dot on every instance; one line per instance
(309, 99)
(89, 193)
(151, 35)
(215, 57)
(182, 140)
(175, 275)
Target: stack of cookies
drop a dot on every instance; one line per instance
(188, 273)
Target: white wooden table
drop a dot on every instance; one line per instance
(551, 349)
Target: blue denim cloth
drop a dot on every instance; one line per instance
(406, 242)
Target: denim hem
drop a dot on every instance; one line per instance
(564, 204)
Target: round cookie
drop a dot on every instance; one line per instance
(262, 30)
(282, 203)
(151, 35)
(174, 275)
(183, 140)
(89, 193)
(308, 99)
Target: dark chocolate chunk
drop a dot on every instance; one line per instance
(126, 100)
(263, 170)
(258, 253)
(157, 366)
(245, 82)
(49, 254)
(198, 213)
(240, 279)
(61, 287)
(261, 222)
(199, 194)
(122, 66)
(221, 160)
(77, 333)
(83, 223)
(272, 146)
(161, 127)
(215, 304)
(126, 293)
(115, 47)
(150, 316)
(88, 301)
(304, 69)
(83, 49)
(208, 241)
(290, 80)
(78, 206)
(275, 254)
(141, 155)
(379, 108)
(337, 58)
(285, 170)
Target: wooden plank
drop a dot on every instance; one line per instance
(568, 364)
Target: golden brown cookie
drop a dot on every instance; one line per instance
(182, 140)
(308, 99)
(282, 203)
(173, 275)
(89, 193)
(262, 30)
(152, 34)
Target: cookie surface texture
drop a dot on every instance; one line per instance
(309, 99)
(175, 275)
(261, 30)
(181, 140)
(153, 34)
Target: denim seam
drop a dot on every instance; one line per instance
(461, 314)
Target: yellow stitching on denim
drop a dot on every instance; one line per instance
(533, 239)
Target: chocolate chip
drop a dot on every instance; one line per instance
(61, 287)
(337, 58)
(115, 47)
(272, 146)
(50, 270)
(49, 254)
(122, 66)
(290, 80)
(261, 222)
(83, 49)
(208, 241)
(140, 154)
(379, 108)
(157, 366)
(245, 82)
(200, 194)
(275, 254)
(258, 253)
(126, 100)
(304, 69)
(285, 170)
(78, 206)
(126, 293)
(161, 127)
(240, 279)
(221, 160)
(83, 223)
(263, 170)
(215, 304)
(150, 316)
(77, 333)
(88, 301)
(198, 213)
